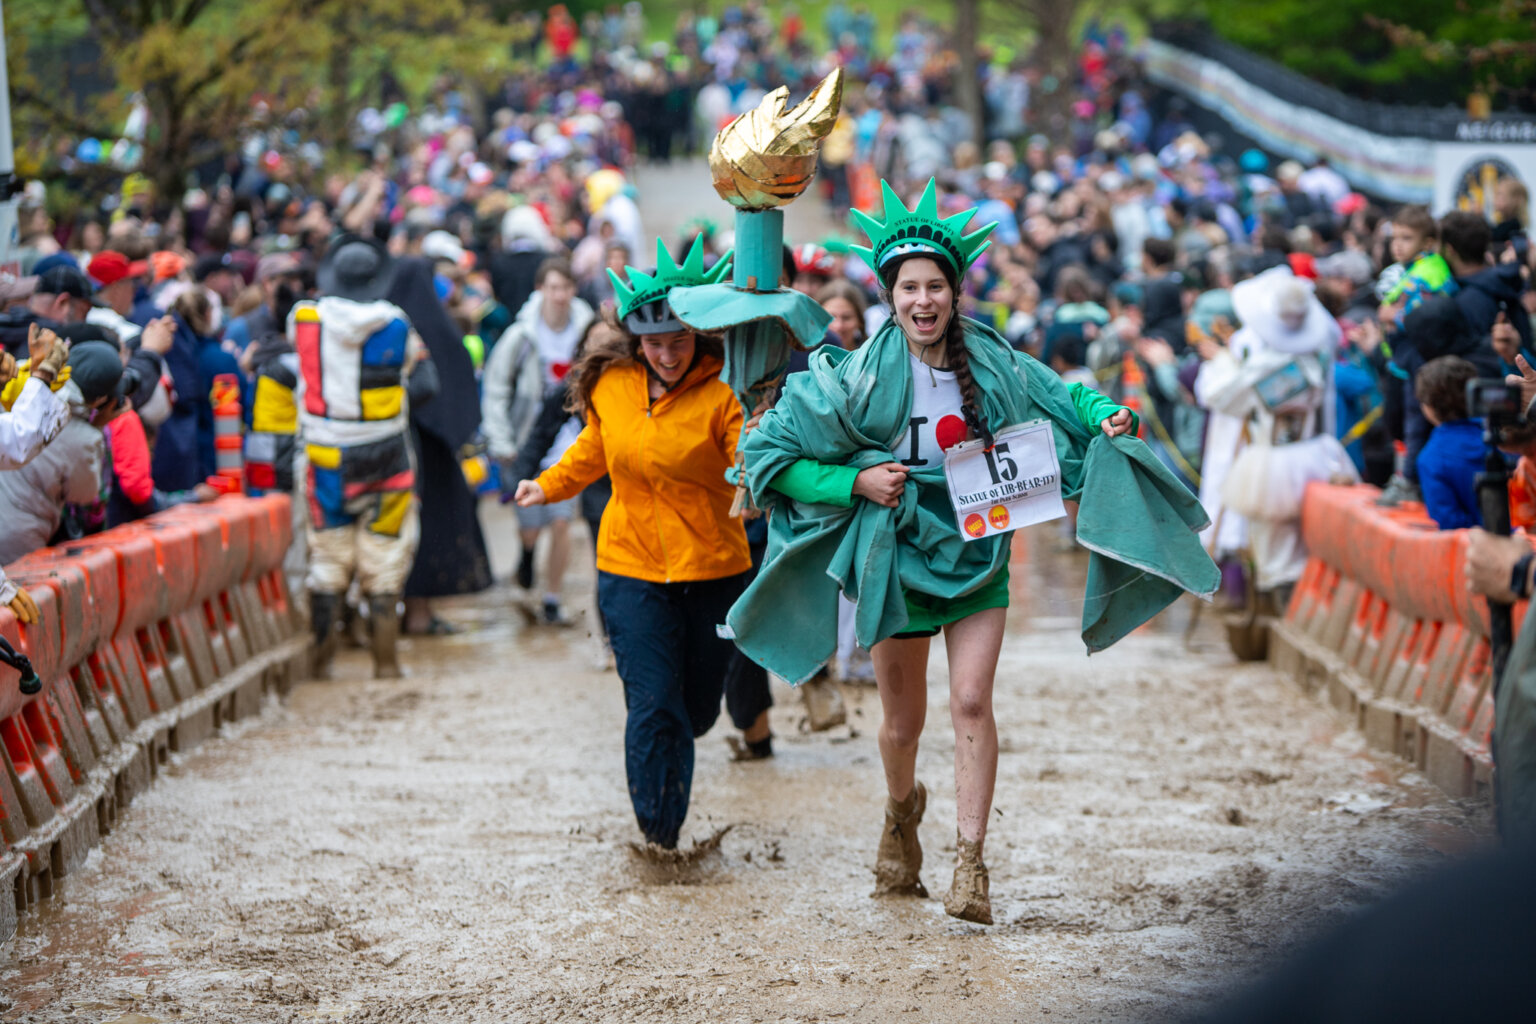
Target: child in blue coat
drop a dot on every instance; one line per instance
(1450, 460)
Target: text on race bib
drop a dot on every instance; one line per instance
(1016, 482)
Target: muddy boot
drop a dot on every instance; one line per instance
(354, 627)
(386, 630)
(823, 702)
(969, 896)
(900, 856)
(743, 749)
(322, 619)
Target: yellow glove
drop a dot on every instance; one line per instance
(25, 608)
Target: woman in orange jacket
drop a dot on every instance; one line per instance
(670, 557)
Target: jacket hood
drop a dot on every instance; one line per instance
(581, 312)
(352, 323)
(1502, 282)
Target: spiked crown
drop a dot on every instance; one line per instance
(919, 229)
(644, 289)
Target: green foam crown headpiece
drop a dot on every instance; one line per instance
(643, 289)
(920, 230)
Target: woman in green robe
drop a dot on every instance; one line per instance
(869, 431)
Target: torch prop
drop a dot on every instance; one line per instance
(761, 162)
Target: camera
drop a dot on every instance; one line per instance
(1489, 398)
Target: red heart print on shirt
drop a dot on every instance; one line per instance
(949, 432)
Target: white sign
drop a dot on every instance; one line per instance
(1016, 482)
(1468, 174)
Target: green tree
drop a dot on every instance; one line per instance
(201, 65)
(1053, 22)
(1405, 51)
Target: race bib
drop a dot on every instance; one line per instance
(1015, 483)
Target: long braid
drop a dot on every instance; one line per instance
(960, 362)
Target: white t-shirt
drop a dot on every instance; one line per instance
(937, 422)
(556, 348)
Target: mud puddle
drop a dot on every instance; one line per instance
(456, 847)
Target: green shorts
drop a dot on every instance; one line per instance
(927, 614)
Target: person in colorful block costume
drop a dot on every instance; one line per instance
(360, 367)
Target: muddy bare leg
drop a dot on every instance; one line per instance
(901, 668)
(973, 644)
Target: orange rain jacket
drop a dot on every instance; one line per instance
(669, 519)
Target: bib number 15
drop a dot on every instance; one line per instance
(999, 464)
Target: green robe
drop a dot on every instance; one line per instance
(850, 408)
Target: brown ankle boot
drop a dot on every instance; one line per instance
(824, 708)
(969, 896)
(900, 856)
(384, 619)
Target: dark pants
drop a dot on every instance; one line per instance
(1415, 432)
(673, 667)
(746, 682)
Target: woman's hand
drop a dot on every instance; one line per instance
(881, 484)
(1119, 423)
(160, 334)
(757, 414)
(1366, 335)
(1155, 351)
(529, 493)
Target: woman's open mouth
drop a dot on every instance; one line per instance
(925, 322)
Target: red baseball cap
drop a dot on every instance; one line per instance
(1303, 265)
(108, 267)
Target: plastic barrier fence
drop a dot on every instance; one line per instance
(1383, 621)
(151, 636)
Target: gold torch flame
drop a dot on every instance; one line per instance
(767, 157)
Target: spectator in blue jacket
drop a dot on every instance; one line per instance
(1450, 460)
(184, 452)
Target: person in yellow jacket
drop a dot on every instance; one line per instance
(670, 557)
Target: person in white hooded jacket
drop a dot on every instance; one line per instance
(532, 356)
(1275, 432)
(33, 418)
(69, 468)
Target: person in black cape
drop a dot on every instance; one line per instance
(452, 557)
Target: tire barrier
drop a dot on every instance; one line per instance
(1382, 621)
(151, 635)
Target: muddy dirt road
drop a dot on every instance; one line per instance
(456, 847)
